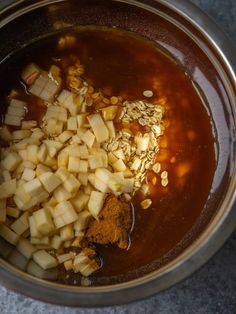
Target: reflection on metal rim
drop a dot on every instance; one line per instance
(195, 255)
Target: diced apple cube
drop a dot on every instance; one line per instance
(78, 151)
(32, 153)
(21, 224)
(7, 189)
(68, 265)
(116, 183)
(34, 233)
(99, 128)
(62, 159)
(73, 150)
(72, 124)
(95, 161)
(91, 178)
(12, 120)
(88, 138)
(83, 220)
(65, 136)
(65, 257)
(83, 152)
(100, 185)
(43, 221)
(28, 174)
(96, 202)
(9, 235)
(59, 222)
(103, 174)
(54, 127)
(77, 165)
(22, 194)
(56, 242)
(23, 154)
(80, 261)
(25, 248)
(67, 232)
(41, 169)
(65, 214)
(50, 181)
(119, 165)
(66, 99)
(27, 205)
(44, 259)
(28, 164)
(51, 143)
(15, 111)
(83, 178)
(11, 161)
(42, 153)
(71, 184)
(33, 187)
(16, 103)
(87, 270)
(38, 85)
(80, 201)
(56, 112)
(44, 87)
(61, 194)
(62, 173)
(109, 113)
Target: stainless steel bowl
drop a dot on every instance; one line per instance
(209, 57)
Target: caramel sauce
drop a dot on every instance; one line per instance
(119, 63)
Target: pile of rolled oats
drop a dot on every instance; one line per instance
(139, 160)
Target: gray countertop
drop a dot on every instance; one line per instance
(212, 289)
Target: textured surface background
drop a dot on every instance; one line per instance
(210, 290)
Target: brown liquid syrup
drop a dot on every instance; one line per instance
(120, 63)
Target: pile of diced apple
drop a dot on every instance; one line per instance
(51, 187)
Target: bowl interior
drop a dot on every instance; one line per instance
(176, 36)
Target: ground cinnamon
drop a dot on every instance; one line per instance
(114, 224)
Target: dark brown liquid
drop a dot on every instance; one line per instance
(119, 63)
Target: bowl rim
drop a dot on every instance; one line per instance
(197, 254)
